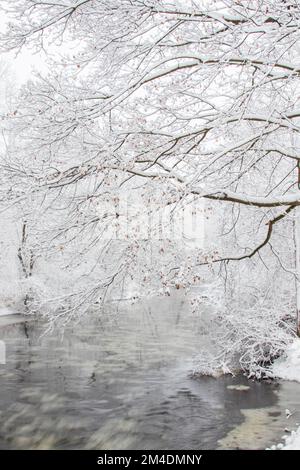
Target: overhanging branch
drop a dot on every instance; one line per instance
(257, 248)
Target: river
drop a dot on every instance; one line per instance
(122, 381)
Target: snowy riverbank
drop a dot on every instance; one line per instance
(288, 368)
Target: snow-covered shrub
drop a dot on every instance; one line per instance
(246, 340)
(247, 319)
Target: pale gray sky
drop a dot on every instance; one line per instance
(22, 63)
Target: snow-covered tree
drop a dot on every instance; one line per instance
(173, 101)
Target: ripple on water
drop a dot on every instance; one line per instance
(123, 382)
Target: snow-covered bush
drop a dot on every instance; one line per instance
(247, 325)
(242, 340)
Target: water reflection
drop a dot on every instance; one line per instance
(121, 381)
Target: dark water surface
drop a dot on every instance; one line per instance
(123, 382)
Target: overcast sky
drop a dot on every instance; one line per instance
(21, 64)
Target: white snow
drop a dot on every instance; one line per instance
(5, 311)
(292, 442)
(288, 368)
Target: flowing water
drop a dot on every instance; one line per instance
(122, 381)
